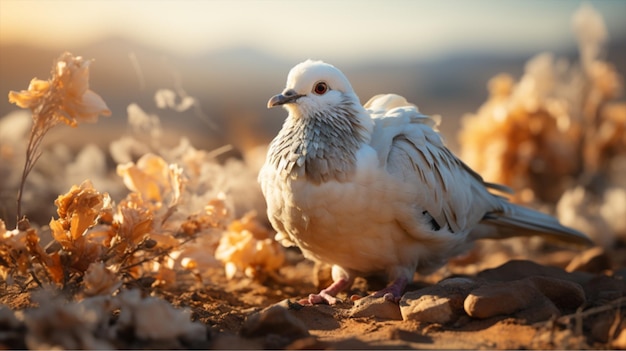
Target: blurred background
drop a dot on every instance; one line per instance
(229, 57)
(232, 56)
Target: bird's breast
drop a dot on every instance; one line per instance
(350, 223)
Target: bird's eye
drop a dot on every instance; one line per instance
(320, 88)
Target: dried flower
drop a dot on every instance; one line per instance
(552, 128)
(99, 280)
(64, 98)
(14, 256)
(79, 210)
(31, 98)
(132, 222)
(153, 178)
(248, 246)
(215, 216)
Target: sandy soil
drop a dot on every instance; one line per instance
(242, 313)
(597, 323)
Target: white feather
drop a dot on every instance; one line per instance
(403, 200)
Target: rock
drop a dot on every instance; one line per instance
(520, 269)
(380, 307)
(501, 298)
(593, 260)
(542, 310)
(603, 288)
(440, 303)
(566, 295)
(276, 324)
(427, 308)
(504, 298)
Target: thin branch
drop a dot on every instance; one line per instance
(579, 315)
(32, 156)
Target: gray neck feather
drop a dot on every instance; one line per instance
(320, 147)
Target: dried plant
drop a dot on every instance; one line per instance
(64, 98)
(99, 246)
(248, 246)
(558, 136)
(557, 127)
(180, 216)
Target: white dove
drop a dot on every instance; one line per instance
(373, 189)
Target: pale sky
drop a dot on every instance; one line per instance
(292, 29)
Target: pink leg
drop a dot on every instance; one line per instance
(328, 295)
(393, 291)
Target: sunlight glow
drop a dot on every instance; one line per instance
(306, 28)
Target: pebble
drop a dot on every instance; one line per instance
(501, 298)
(379, 307)
(439, 303)
(274, 321)
(505, 298)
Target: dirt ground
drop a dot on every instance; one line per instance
(597, 323)
(177, 264)
(244, 313)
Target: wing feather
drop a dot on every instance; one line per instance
(412, 150)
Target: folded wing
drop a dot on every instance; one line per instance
(410, 148)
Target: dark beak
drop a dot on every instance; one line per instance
(286, 97)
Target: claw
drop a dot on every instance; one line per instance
(323, 298)
(327, 296)
(393, 291)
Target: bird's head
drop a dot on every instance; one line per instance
(315, 87)
(326, 125)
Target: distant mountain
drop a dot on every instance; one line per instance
(233, 85)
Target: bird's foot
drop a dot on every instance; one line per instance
(327, 296)
(393, 292)
(320, 299)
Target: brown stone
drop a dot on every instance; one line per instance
(566, 295)
(440, 303)
(501, 298)
(274, 321)
(376, 307)
(520, 269)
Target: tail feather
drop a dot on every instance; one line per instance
(516, 220)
